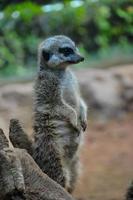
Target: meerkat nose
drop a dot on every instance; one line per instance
(81, 59)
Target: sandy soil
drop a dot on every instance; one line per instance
(107, 161)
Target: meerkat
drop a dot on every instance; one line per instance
(22, 179)
(60, 113)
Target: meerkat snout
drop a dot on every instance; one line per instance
(75, 58)
(59, 51)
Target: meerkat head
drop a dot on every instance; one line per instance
(58, 51)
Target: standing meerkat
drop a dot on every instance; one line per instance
(60, 114)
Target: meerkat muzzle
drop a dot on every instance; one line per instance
(81, 59)
(74, 59)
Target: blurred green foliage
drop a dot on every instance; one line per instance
(94, 25)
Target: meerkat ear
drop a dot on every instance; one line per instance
(46, 55)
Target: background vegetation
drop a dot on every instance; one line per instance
(102, 28)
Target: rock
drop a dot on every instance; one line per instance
(125, 76)
(108, 92)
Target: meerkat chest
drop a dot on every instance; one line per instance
(69, 92)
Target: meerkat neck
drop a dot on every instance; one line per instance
(58, 71)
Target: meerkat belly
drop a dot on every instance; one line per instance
(67, 139)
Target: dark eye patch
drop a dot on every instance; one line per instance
(46, 55)
(66, 51)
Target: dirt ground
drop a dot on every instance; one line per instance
(107, 161)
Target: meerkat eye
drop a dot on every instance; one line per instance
(66, 51)
(46, 55)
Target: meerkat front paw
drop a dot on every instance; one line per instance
(68, 114)
(83, 123)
